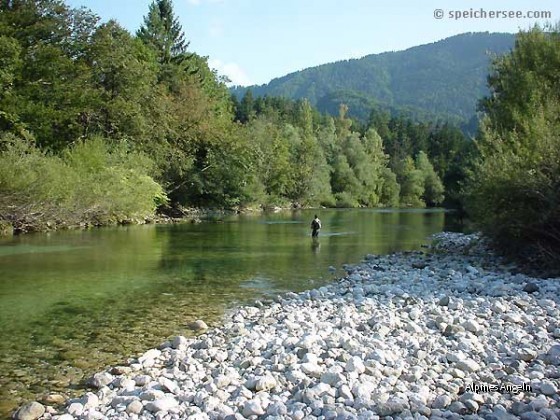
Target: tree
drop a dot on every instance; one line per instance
(162, 31)
(412, 184)
(390, 189)
(433, 187)
(514, 189)
(43, 45)
(124, 76)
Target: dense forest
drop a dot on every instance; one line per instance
(101, 126)
(438, 81)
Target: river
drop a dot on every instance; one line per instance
(74, 302)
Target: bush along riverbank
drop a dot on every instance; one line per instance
(453, 333)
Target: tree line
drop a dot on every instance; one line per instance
(86, 108)
(98, 125)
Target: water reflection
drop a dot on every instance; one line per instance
(73, 302)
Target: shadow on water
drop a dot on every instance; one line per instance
(74, 302)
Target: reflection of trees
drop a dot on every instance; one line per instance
(128, 289)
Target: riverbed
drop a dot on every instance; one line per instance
(73, 302)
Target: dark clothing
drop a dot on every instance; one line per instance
(315, 226)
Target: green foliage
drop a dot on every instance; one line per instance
(390, 190)
(90, 183)
(66, 82)
(412, 184)
(514, 189)
(433, 187)
(162, 31)
(443, 80)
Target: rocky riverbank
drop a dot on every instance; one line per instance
(451, 333)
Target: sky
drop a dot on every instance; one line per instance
(254, 41)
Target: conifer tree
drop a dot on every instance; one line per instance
(162, 30)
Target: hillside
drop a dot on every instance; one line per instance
(444, 79)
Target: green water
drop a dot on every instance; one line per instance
(74, 302)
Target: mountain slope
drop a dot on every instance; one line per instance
(444, 79)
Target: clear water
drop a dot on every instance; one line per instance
(74, 302)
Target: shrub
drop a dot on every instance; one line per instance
(89, 183)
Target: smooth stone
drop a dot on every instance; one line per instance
(179, 342)
(101, 379)
(149, 355)
(548, 388)
(30, 411)
(198, 325)
(393, 405)
(163, 404)
(467, 365)
(472, 326)
(75, 409)
(471, 405)
(265, 383)
(253, 408)
(54, 399)
(441, 401)
(526, 354)
(539, 403)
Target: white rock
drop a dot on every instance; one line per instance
(75, 409)
(101, 379)
(345, 392)
(90, 400)
(355, 364)
(472, 326)
(135, 407)
(467, 365)
(311, 369)
(308, 341)
(163, 404)
(332, 378)
(198, 325)
(169, 385)
(526, 354)
(253, 408)
(265, 383)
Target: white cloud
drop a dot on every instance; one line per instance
(232, 70)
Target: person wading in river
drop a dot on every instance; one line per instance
(315, 226)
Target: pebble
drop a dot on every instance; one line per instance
(406, 335)
(252, 408)
(29, 411)
(198, 325)
(101, 379)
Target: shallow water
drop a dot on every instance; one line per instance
(74, 302)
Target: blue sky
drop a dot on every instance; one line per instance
(254, 41)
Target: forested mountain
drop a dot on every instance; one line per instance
(444, 79)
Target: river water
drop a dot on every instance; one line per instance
(74, 302)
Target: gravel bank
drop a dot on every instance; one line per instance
(451, 333)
